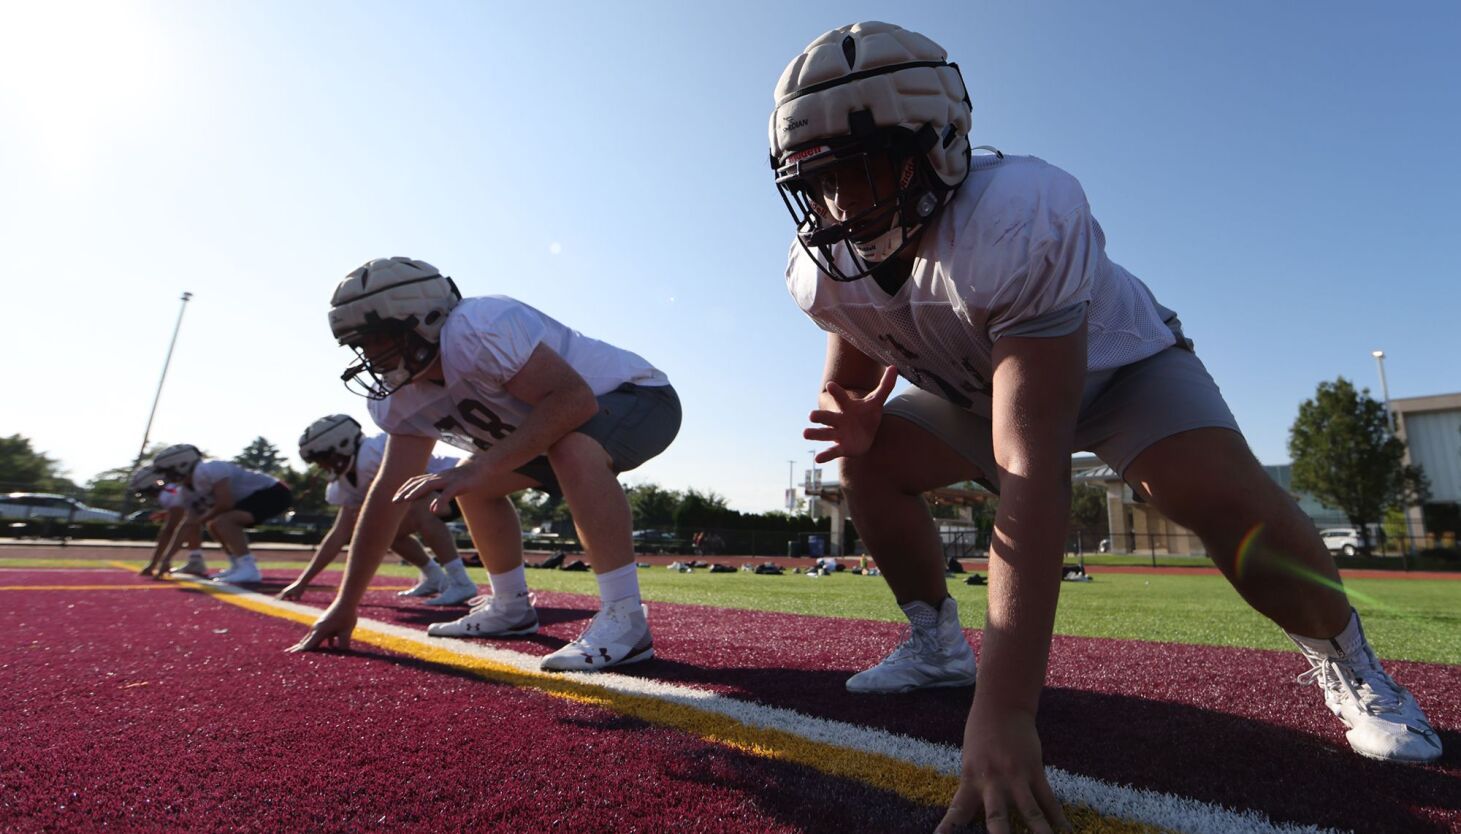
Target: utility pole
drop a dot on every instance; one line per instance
(147, 432)
(1384, 387)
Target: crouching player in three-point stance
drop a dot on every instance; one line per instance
(984, 281)
(337, 446)
(179, 524)
(229, 498)
(539, 404)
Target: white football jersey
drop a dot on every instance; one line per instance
(1015, 252)
(349, 489)
(179, 497)
(484, 344)
(241, 482)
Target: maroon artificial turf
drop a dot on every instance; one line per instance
(1223, 725)
(171, 711)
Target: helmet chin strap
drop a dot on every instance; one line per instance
(883, 246)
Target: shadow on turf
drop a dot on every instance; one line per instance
(1288, 774)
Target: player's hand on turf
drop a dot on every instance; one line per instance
(852, 422)
(451, 483)
(293, 591)
(147, 571)
(333, 628)
(1003, 778)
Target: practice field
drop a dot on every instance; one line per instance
(137, 705)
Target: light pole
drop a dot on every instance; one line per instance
(1384, 387)
(147, 432)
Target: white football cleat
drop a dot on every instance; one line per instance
(244, 572)
(428, 586)
(617, 635)
(932, 653)
(195, 568)
(1383, 718)
(491, 619)
(455, 593)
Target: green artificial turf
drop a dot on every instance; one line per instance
(1407, 619)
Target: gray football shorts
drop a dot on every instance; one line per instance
(1123, 411)
(634, 423)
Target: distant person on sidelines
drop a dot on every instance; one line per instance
(179, 524)
(237, 498)
(985, 282)
(542, 406)
(338, 447)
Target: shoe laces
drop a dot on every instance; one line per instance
(912, 642)
(608, 622)
(482, 602)
(1359, 679)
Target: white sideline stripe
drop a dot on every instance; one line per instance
(1169, 811)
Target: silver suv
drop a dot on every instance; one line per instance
(1343, 540)
(44, 505)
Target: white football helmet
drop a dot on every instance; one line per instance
(857, 95)
(145, 481)
(176, 462)
(398, 297)
(328, 438)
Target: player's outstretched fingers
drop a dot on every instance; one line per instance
(1030, 810)
(963, 809)
(1045, 795)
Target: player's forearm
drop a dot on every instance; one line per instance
(373, 534)
(329, 548)
(1024, 587)
(553, 417)
(164, 539)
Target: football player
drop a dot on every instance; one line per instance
(179, 525)
(337, 446)
(540, 405)
(984, 281)
(236, 498)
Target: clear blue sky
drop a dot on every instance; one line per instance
(1282, 174)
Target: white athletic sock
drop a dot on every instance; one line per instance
(510, 585)
(246, 559)
(1347, 643)
(195, 554)
(433, 571)
(456, 570)
(619, 584)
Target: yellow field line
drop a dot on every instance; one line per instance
(87, 587)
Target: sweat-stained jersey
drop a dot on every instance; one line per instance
(349, 489)
(484, 344)
(241, 482)
(1015, 252)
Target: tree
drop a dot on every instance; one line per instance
(652, 505)
(23, 467)
(699, 510)
(308, 487)
(1345, 454)
(1088, 512)
(261, 456)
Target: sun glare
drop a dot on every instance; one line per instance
(76, 76)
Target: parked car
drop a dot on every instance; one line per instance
(45, 505)
(660, 536)
(1343, 540)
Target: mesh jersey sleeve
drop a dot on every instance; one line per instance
(499, 340)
